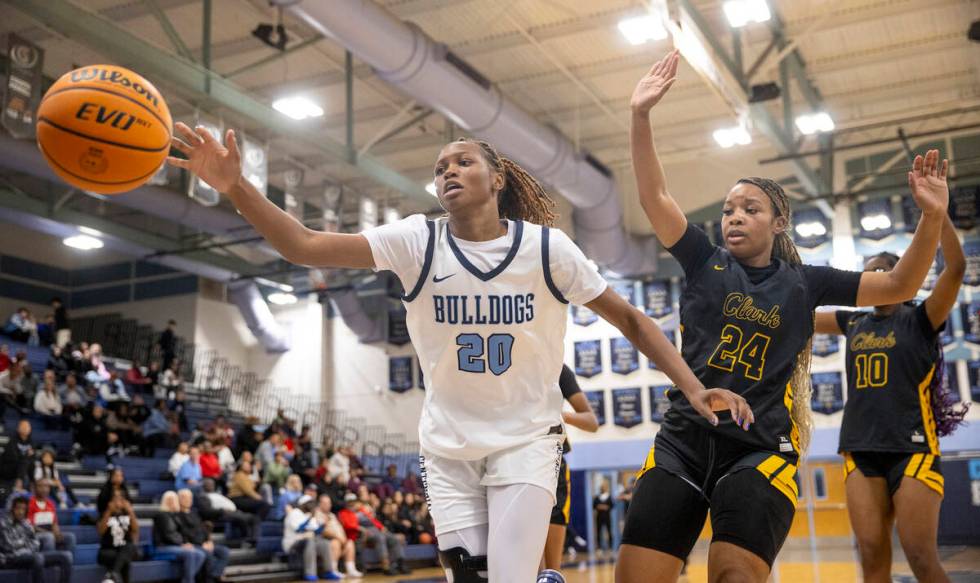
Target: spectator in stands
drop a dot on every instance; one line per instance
(247, 439)
(192, 528)
(411, 485)
(138, 411)
(189, 474)
(153, 376)
(47, 402)
(390, 483)
(395, 524)
(243, 493)
(219, 431)
(288, 496)
(226, 460)
(21, 549)
(179, 408)
(268, 449)
(13, 389)
(122, 423)
(181, 455)
(135, 380)
(215, 508)
(97, 369)
(333, 532)
(42, 513)
(362, 527)
(62, 327)
(92, 433)
(114, 484)
(168, 539)
(275, 474)
(168, 343)
(304, 463)
(45, 331)
(20, 326)
(158, 431)
(58, 363)
(115, 450)
(73, 397)
(334, 489)
(119, 530)
(340, 464)
(4, 357)
(302, 536)
(111, 390)
(210, 466)
(17, 461)
(44, 469)
(171, 380)
(424, 527)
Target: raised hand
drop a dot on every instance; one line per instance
(218, 165)
(709, 400)
(927, 181)
(654, 85)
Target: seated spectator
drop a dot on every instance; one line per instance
(44, 469)
(138, 411)
(194, 532)
(92, 432)
(171, 380)
(122, 423)
(226, 459)
(45, 330)
(242, 491)
(115, 450)
(20, 326)
(73, 397)
(13, 389)
(220, 431)
(4, 357)
(96, 364)
(288, 496)
(334, 489)
(302, 536)
(111, 390)
(47, 402)
(267, 450)
(177, 405)
(178, 458)
(210, 466)
(168, 539)
(333, 532)
(153, 376)
(215, 508)
(21, 549)
(425, 528)
(58, 364)
(394, 523)
(363, 527)
(42, 513)
(340, 464)
(158, 430)
(304, 463)
(61, 326)
(276, 473)
(114, 485)
(247, 439)
(17, 461)
(119, 530)
(411, 485)
(136, 380)
(189, 475)
(389, 483)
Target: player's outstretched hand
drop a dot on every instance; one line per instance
(927, 181)
(709, 400)
(218, 165)
(654, 85)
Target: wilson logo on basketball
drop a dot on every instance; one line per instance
(114, 117)
(117, 77)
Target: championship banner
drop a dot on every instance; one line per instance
(974, 367)
(656, 296)
(588, 358)
(624, 356)
(627, 291)
(397, 327)
(811, 228)
(597, 400)
(400, 373)
(22, 91)
(825, 344)
(828, 392)
(876, 219)
(421, 385)
(672, 336)
(627, 407)
(964, 206)
(659, 402)
(972, 251)
(970, 316)
(583, 316)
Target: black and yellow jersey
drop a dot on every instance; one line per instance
(742, 328)
(569, 387)
(890, 362)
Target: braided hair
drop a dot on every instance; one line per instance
(522, 197)
(800, 384)
(947, 416)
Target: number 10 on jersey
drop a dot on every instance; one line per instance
(476, 354)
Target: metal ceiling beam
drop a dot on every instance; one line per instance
(104, 36)
(169, 29)
(279, 55)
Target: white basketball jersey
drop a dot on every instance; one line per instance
(490, 345)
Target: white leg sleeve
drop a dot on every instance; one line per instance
(519, 516)
(472, 538)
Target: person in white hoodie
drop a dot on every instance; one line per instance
(302, 535)
(47, 401)
(178, 458)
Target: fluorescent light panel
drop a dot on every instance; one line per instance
(83, 242)
(811, 229)
(741, 12)
(733, 136)
(297, 107)
(640, 29)
(812, 123)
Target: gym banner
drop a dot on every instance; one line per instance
(672, 336)
(656, 296)
(825, 344)
(627, 407)
(974, 367)
(588, 358)
(970, 316)
(972, 251)
(583, 316)
(659, 403)
(597, 400)
(828, 392)
(397, 327)
(400, 373)
(624, 356)
(875, 217)
(627, 291)
(22, 91)
(964, 206)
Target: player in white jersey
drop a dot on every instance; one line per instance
(486, 289)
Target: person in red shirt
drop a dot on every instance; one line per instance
(210, 466)
(135, 379)
(4, 357)
(364, 528)
(42, 513)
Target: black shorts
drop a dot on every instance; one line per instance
(563, 500)
(896, 466)
(752, 495)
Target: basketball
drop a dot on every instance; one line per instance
(104, 128)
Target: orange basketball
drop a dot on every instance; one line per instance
(104, 128)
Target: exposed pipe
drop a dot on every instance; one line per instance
(427, 71)
(247, 297)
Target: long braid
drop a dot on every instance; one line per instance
(800, 383)
(522, 196)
